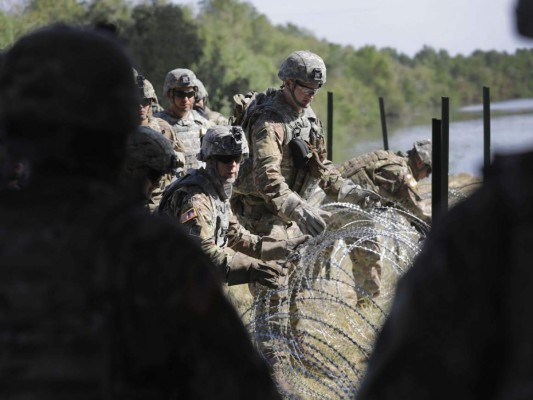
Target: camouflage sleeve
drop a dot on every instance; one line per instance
(330, 179)
(267, 142)
(196, 215)
(397, 183)
(243, 241)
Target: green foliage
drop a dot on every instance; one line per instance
(161, 39)
(233, 49)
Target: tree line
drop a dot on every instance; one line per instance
(234, 49)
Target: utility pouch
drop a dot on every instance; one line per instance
(300, 152)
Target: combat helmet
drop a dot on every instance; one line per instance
(146, 89)
(147, 148)
(179, 78)
(303, 66)
(201, 91)
(424, 150)
(223, 140)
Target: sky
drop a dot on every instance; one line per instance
(458, 26)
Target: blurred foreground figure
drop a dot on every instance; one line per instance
(460, 326)
(99, 299)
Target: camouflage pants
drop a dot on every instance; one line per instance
(277, 309)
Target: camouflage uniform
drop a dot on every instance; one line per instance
(150, 159)
(287, 163)
(147, 91)
(271, 175)
(389, 174)
(99, 299)
(205, 213)
(190, 128)
(201, 202)
(162, 126)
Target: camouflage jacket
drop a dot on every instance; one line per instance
(205, 215)
(164, 127)
(271, 172)
(99, 299)
(189, 130)
(388, 174)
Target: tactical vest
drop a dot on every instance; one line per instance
(189, 131)
(175, 194)
(305, 126)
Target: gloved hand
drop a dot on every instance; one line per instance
(246, 269)
(275, 249)
(352, 193)
(310, 219)
(316, 168)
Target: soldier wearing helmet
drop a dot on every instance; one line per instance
(189, 126)
(393, 175)
(200, 201)
(149, 158)
(287, 163)
(200, 105)
(288, 155)
(148, 99)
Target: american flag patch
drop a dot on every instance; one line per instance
(188, 215)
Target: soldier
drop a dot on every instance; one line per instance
(148, 98)
(149, 158)
(287, 162)
(201, 202)
(200, 105)
(180, 89)
(100, 299)
(393, 175)
(288, 155)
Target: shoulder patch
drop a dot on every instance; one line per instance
(188, 215)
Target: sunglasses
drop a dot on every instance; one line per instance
(234, 158)
(309, 91)
(183, 94)
(146, 102)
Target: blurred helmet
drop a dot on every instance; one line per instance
(524, 18)
(223, 140)
(201, 91)
(303, 66)
(424, 150)
(179, 78)
(148, 148)
(77, 99)
(146, 89)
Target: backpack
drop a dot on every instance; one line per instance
(246, 104)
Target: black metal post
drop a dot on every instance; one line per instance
(383, 124)
(445, 128)
(436, 186)
(486, 126)
(329, 144)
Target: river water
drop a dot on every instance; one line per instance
(511, 131)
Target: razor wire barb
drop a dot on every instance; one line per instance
(323, 355)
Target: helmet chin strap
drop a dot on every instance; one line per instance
(292, 89)
(224, 186)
